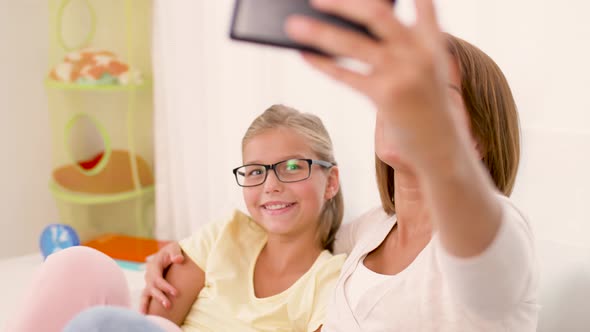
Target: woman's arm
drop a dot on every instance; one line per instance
(503, 276)
(188, 279)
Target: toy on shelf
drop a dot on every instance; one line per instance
(56, 237)
(94, 68)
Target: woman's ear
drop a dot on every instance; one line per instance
(478, 147)
(333, 183)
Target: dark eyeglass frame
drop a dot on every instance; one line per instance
(322, 163)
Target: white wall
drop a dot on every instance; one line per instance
(541, 46)
(25, 139)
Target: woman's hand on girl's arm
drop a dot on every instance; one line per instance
(188, 278)
(156, 286)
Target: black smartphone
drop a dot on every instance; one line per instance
(262, 22)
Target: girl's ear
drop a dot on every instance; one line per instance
(333, 184)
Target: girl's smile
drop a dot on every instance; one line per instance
(278, 207)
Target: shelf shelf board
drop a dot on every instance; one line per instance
(93, 199)
(81, 87)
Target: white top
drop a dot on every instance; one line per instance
(363, 280)
(495, 291)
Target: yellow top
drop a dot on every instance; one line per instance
(227, 253)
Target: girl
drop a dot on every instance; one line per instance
(270, 271)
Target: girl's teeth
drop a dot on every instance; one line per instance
(276, 207)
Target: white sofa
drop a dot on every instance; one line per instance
(564, 288)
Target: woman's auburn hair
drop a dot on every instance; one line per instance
(492, 115)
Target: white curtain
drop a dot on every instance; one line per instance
(200, 89)
(178, 125)
(208, 89)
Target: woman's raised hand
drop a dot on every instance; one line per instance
(156, 286)
(408, 76)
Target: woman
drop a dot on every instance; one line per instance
(446, 251)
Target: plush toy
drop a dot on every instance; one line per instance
(94, 67)
(56, 237)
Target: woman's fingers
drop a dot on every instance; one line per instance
(376, 15)
(172, 253)
(427, 27)
(177, 258)
(426, 20)
(163, 285)
(155, 266)
(152, 294)
(156, 291)
(331, 39)
(159, 296)
(155, 285)
(331, 68)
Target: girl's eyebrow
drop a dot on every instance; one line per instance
(293, 156)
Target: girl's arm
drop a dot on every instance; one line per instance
(188, 279)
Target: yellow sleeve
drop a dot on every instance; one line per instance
(326, 282)
(198, 246)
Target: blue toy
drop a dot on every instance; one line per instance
(56, 237)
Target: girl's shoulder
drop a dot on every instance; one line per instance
(240, 230)
(328, 262)
(236, 230)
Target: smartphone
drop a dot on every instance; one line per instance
(262, 22)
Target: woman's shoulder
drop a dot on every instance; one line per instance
(512, 213)
(373, 216)
(350, 233)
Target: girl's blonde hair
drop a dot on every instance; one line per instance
(312, 129)
(492, 114)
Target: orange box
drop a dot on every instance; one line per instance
(127, 248)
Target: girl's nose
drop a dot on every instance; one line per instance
(272, 183)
